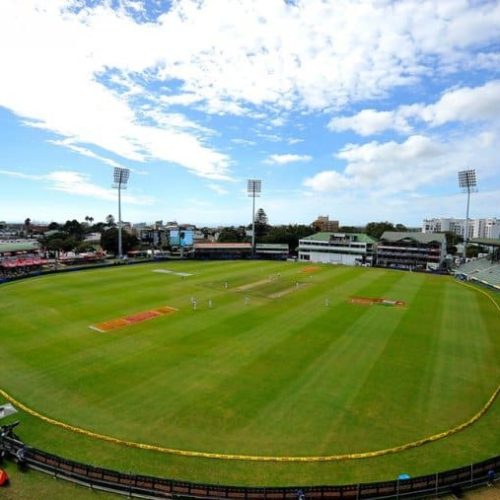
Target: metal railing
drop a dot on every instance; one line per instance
(140, 486)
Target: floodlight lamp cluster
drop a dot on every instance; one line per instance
(254, 187)
(467, 179)
(120, 177)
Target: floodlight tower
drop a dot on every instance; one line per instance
(467, 181)
(254, 188)
(120, 177)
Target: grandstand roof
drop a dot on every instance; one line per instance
(325, 236)
(487, 241)
(19, 247)
(272, 246)
(232, 246)
(241, 246)
(393, 236)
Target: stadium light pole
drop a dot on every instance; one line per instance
(120, 178)
(254, 188)
(467, 181)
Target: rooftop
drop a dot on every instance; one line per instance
(326, 236)
(19, 247)
(393, 236)
(492, 242)
(223, 245)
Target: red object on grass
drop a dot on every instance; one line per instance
(3, 477)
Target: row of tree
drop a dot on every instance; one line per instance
(71, 236)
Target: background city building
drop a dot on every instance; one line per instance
(324, 224)
(476, 228)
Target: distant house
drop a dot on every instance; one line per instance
(337, 248)
(409, 250)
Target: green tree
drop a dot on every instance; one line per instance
(84, 246)
(290, 234)
(376, 229)
(261, 224)
(261, 217)
(109, 241)
(349, 229)
(231, 235)
(70, 244)
(57, 242)
(452, 240)
(99, 227)
(74, 229)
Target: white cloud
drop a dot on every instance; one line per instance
(67, 97)
(243, 142)
(217, 189)
(486, 60)
(328, 181)
(466, 105)
(278, 121)
(416, 147)
(270, 137)
(283, 159)
(76, 183)
(382, 168)
(67, 143)
(306, 55)
(369, 122)
(114, 81)
(21, 175)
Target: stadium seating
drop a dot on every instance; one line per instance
(474, 266)
(491, 276)
(481, 270)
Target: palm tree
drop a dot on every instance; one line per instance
(89, 219)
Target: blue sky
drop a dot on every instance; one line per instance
(360, 110)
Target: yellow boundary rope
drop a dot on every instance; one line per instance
(258, 458)
(483, 292)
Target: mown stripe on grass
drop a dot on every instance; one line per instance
(314, 304)
(238, 457)
(254, 458)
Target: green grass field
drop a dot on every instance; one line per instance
(281, 364)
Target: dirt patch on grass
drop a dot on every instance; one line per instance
(310, 269)
(116, 323)
(370, 301)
